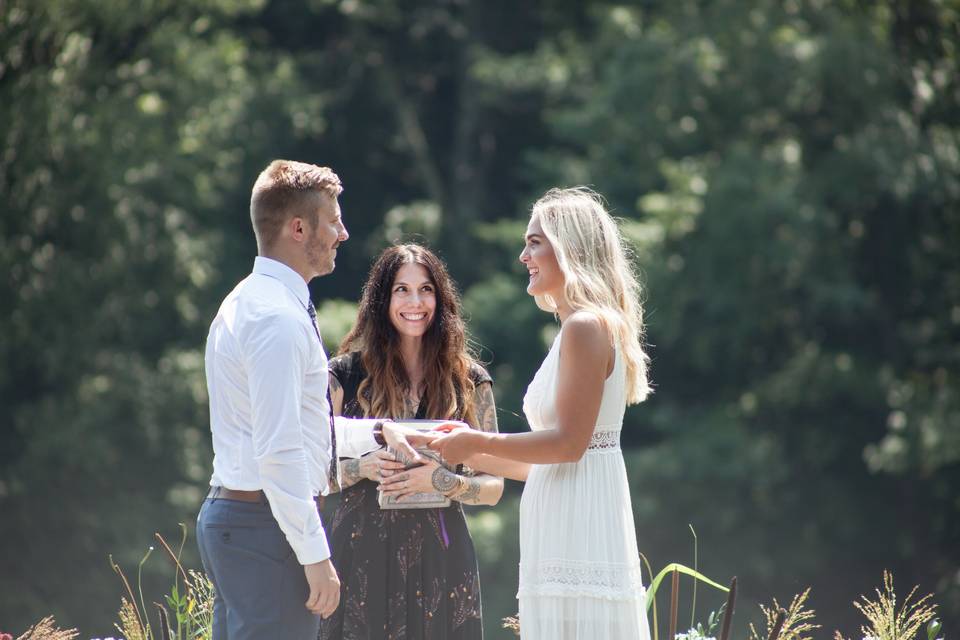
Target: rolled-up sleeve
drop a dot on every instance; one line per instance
(277, 352)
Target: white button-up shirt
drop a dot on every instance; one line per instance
(267, 380)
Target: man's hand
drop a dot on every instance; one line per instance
(459, 445)
(324, 587)
(403, 439)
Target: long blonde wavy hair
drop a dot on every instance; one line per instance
(598, 276)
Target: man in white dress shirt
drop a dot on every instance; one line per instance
(260, 536)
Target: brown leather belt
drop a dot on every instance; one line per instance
(222, 493)
(257, 495)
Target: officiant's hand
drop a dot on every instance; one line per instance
(371, 464)
(400, 483)
(459, 445)
(403, 440)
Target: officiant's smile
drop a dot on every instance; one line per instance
(413, 301)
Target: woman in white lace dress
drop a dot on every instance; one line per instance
(579, 564)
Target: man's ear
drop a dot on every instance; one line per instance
(297, 228)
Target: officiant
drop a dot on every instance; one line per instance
(399, 537)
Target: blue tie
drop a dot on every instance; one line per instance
(333, 473)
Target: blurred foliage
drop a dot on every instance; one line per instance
(788, 173)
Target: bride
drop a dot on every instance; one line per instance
(579, 565)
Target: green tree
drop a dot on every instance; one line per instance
(119, 144)
(789, 174)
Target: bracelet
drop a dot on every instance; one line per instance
(378, 433)
(461, 487)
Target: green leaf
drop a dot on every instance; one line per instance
(655, 584)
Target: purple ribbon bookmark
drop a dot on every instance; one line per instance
(443, 530)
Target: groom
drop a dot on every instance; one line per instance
(275, 446)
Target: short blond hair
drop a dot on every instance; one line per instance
(286, 189)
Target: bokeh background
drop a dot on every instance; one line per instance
(788, 173)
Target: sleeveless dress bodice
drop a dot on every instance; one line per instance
(579, 563)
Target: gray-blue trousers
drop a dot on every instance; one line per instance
(260, 586)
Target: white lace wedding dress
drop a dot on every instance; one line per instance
(579, 565)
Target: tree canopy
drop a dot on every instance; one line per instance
(787, 172)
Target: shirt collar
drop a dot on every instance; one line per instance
(290, 278)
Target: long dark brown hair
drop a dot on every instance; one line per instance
(444, 356)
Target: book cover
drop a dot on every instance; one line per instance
(426, 500)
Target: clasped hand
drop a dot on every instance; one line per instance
(405, 439)
(398, 481)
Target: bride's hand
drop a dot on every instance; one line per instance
(401, 483)
(448, 427)
(459, 445)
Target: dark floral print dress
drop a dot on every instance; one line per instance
(406, 574)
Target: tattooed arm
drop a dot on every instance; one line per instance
(349, 472)
(336, 394)
(469, 488)
(352, 470)
(349, 468)
(487, 464)
(473, 487)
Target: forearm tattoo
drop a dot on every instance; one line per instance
(335, 386)
(470, 484)
(457, 487)
(472, 492)
(486, 409)
(443, 480)
(349, 473)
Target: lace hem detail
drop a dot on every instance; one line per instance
(611, 581)
(604, 441)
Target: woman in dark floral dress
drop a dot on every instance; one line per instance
(408, 573)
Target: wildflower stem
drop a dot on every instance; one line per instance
(164, 621)
(674, 596)
(126, 584)
(693, 605)
(174, 558)
(778, 624)
(140, 590)
(652, 594)
(728, 611)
